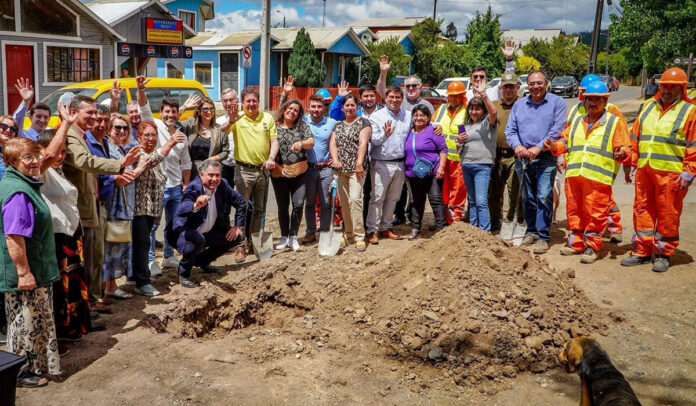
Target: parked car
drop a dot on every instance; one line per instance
(432, 96)
(493, 82)
(441, 88)
(564, 86)
(607, 81)
(156, 89)
(524, 89)
(615, 83)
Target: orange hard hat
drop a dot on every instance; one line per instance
(456, 87)
(673, 76)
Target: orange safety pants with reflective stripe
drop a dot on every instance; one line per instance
(657, 207)
(587, 209)
(454, 191)
(614, 225)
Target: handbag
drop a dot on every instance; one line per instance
(119, 230)
(289, 170)
(422, 167)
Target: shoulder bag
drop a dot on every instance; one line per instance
(422, 167)
(119, 230)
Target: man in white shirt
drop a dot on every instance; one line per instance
(231, 106)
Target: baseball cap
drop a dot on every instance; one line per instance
(508, 78)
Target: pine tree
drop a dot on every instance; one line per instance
(303, 64)
(451, 32)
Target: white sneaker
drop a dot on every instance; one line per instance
(283, 243)
(155, 269)
(170, 262)
(294, 244)
(147, 290)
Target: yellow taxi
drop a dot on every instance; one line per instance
(156, 89)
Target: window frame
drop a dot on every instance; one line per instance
(183, 10)
(212, 80)
(18, 25)
(69, 45)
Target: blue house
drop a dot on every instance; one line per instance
(193, 13)
(405, 38)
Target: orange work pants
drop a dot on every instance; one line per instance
(657, 207)
(587, 209)
(614, 226)
(453, 191)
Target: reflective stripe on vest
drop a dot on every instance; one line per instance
(592, 157)
(450, 128)
(662, 141)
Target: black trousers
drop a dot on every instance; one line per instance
(401, 209)
(430, 188)
(202, 249)
(228, 174)
(367, 190)
(289, 190)
(141, 227)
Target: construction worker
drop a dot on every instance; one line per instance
(614, 226)
(593, 143)
(663, 146)
(450, 116)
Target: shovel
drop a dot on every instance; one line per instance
(330, 241)
(263, 241)
(513, 230)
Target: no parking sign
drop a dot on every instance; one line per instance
(246, 54)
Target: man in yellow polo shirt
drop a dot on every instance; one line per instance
(256, 147)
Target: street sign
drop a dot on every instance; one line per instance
(246, 54)
(683, 60)
(129, 49)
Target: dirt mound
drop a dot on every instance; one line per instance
(462, 301)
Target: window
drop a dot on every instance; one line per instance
(65, 65)
(48, 17)
(188, 17)
(173, 72)
(7, 13)
(203, 72)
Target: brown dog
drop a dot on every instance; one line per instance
(602, 384)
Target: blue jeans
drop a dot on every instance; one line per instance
(477, 177)
(539, 176)
(172, 200)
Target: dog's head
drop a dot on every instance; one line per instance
(571, 354)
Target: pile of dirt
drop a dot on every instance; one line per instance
(462, 302)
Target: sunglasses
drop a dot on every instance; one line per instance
(478, 76)
(121, 127)
(208, 109)
(5, 127)
(410, 86)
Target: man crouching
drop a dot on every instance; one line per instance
(201, 229)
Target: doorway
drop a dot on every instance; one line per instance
(229, 71)
(21, 66)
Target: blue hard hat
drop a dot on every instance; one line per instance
(587, 80)
(324, 93)
(597, 88)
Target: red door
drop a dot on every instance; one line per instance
(19, 60)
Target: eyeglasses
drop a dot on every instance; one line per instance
(5, 127)
(478, 76)
(28, 158)
(410, 86)
(208, 109)
(120, 127)
(149, 135)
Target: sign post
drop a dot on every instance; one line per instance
(246, 54)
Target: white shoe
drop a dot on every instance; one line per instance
(283, 243)
(170, 262)
(294, 244)
(155, 269)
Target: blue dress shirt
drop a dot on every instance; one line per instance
(531, 123)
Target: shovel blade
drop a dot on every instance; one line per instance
(329, 243)
(263, 245)
(513, 231)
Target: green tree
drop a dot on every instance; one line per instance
(426, 36)
(397, 56)
(303, 64)
(564, 55)
(656, 31)
(451, 32)
(483, 38)
(525, 64)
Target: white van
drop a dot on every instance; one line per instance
(442, 87)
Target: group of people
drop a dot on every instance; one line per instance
(81, 203)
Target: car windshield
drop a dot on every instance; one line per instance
(443, 85)
(523, 78)
(52, 99)
(493, 82)
(604, 77)
(562, 80)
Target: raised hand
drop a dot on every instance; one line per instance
(509, 50)
(343, 89)
(191, 102)
(388, 129)
(65, 115)
(25, 90)
(289, 84)
(201, 201)
(384, 64)
(233, 113)
(130, 157)
(116, 90)
(480, 88)
(141, 81)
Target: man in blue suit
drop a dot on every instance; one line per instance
(201, 229)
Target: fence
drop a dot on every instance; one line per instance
(303, 94)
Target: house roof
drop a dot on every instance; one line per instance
(96, 18)
(399, 34)
(322, 38)
(114, 12)
(522, 37)
(406, 22)
(365, 30)
(207, 8)
(230, 40)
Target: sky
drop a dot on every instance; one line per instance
(568, 15)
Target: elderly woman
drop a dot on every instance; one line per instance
(204, 136)
(348, 147)
(29, 266)
(148, 202)
(426, 154)
(294, 137)
(8, 129)
(117, 255)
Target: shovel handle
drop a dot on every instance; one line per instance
(334, 188)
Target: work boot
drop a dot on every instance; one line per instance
(541, 247)
(389, 234)
(588, 257)
(569, 251)
(529, 239)
(372, 238)
(187, 282)
(239, 254)
(615, 238)
(661, 264)
(634, 260)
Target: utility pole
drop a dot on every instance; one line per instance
(606, 59)
(434, 9)
(595, 36)
(323, 16)
(264, 64)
